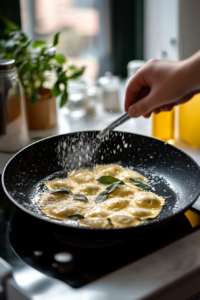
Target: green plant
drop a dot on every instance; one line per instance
(33, 59)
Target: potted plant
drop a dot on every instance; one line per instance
(34, 60)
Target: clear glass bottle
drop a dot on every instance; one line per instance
(76, 105)
(110, 85)
(189, 122)
(13, 123)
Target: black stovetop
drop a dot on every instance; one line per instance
(26, 237)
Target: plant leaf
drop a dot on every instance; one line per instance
(76, 217)
(72, 68)
(109, 179)
(102, 196)
(9, 24)
(141, 184)
(38, 44)
(21, 66)
(21, 48)
(77, 73)
(56, 89)
(69, 192)
(35, 98)
(2, 55)
(110, 221)
(60, 59)
(56, 39)
(64, 98)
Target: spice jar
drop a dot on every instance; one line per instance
(13, 124)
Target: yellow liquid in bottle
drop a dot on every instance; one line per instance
(189, 122)
(163, 126)
(193, 218)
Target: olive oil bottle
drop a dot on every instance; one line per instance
(163, 126)
(189, 122)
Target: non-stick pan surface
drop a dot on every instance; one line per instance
(172, 173)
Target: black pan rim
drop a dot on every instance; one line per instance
(52, 221)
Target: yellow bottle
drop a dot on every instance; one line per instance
(189, 122)
(163, 126)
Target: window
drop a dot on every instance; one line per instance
(104, 35)
(78, 22)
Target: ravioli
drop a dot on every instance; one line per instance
(132, 174)
(148, 200)
(82, 176)
(143, 213)
(115, 204)
(124, 219)
(122, 191)
(59, 183)
(90, 189)
(97, 212)
(112, 170)
(127, 205)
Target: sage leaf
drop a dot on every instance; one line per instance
(76, 217)
(109, 179)
(79, 197)
(141, 184)
(102, 196)
(62, 191)
(69, 192)
(110, 221)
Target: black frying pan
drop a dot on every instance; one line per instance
(174, 175)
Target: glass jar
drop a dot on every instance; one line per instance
(133, 66)
(110, 85)
(13, 123)
(76, 105)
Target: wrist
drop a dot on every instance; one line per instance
(190, 69)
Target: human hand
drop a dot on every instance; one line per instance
(160, 85)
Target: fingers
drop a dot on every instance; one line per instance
(166, 107)
(136, 89)
(156, 111)
(147, 115)
(143, 107)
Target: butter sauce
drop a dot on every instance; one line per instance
(126, 206)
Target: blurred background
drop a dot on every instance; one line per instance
(107, 34)
(113, 39)
(104, 35)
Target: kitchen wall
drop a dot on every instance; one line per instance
(171, 28)
(189, 27)
(161, 29)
